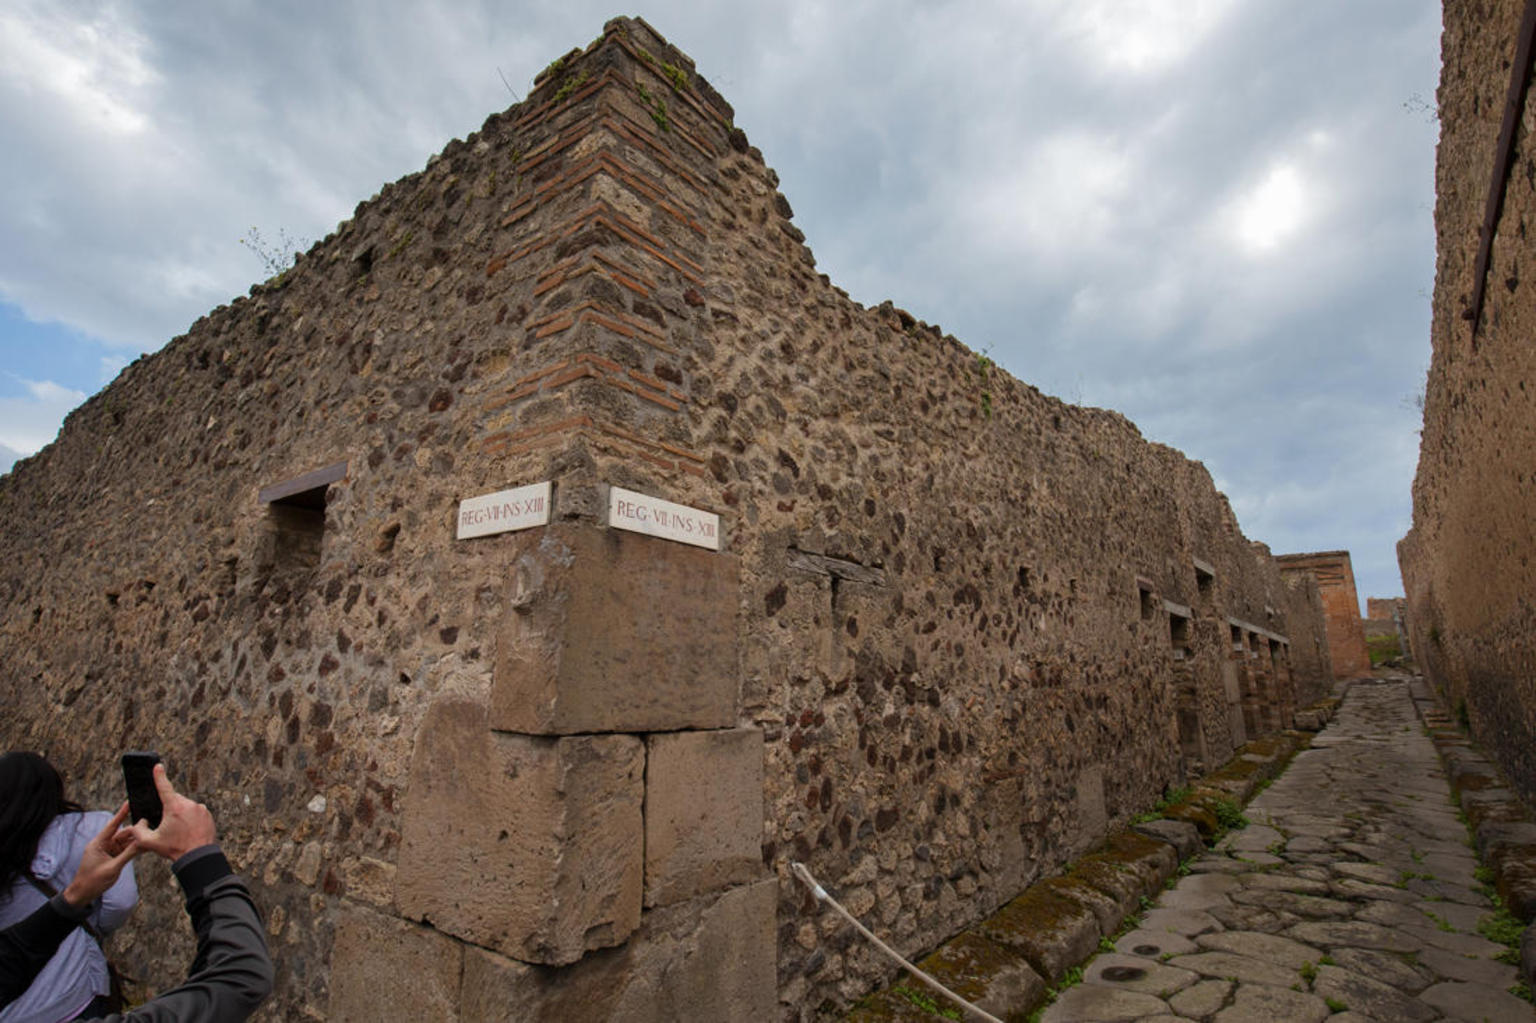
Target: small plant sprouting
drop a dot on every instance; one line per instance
(655, 106)
(923, 1000)
(1334, 1005)
(1229, 815)
(1327, 960)
(570, 85)
(676, 76)
(277, 258)
(1308, 972)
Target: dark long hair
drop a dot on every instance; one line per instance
(31, 796)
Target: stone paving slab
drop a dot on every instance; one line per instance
(1350, 898)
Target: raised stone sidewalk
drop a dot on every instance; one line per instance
(1351, 896)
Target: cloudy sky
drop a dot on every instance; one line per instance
(1214, 216)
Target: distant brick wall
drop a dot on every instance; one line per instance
(1469, 562)
(954, 628)
(1335, 578)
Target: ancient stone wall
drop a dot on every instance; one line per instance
(1335, 578)
(1469, 562)
(930, 632)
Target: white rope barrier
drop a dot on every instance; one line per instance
(798, 869)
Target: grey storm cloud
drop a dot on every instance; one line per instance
(1213, 216)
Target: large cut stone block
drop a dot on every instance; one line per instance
(710, 958)
(525, 844)
(703, 812)
(385, 968)
(612, 631)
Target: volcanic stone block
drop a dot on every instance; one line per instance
(612, 631)
(524, 844)
(710, 958)
(385, 968)
(703, 812)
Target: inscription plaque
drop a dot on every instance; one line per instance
(653, 516)
(504, 511)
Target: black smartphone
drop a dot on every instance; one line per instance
(139, 780)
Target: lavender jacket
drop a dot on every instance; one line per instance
(78, 970)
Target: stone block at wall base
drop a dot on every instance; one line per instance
(385, 968)
(529, 845)
(616, 632)
(705, 960)
(703, 812)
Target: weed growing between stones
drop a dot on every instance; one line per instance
(1229, 815)
(1334, 1005)
(924, 1001)
(1308, 972)
(1172, 798)
(1502, 928)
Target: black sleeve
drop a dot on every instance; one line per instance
(27, 945)
(232, 974)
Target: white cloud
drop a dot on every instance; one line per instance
(90, 71)
(29, 422)
(1058, 197)
(1272, 212)
(1140, 36)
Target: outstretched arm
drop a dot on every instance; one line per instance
(27, 945)
(232, 973)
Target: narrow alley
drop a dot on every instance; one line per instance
(1351, 895)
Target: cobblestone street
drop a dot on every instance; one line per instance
(1351, 895)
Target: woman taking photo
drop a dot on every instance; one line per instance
(42, 836)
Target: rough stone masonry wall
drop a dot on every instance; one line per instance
(1468, 561)
(955, 627)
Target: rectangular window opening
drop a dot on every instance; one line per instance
(1178, 635)
(296, 519)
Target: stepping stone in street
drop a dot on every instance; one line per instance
(1150, 944)
(1476, 1002)
(1244, 969)
(1371, 997)
(1385, 967)
(1353, 934)
(1270, 947)
(1202, 999)
(1089, 1003)
(1256, 1003)
(1131, 973)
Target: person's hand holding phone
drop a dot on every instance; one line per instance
(185, 824)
